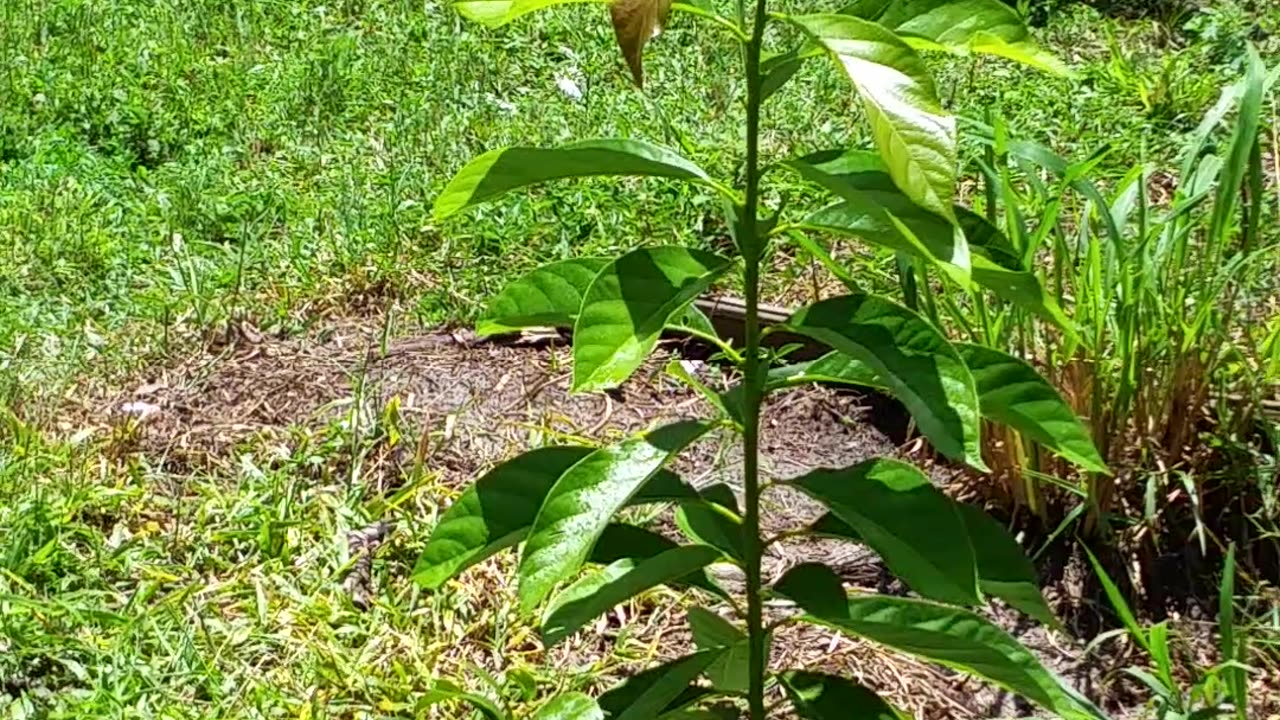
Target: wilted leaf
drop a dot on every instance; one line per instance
(635, 23)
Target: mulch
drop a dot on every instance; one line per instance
(461, 405)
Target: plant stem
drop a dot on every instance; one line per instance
(752, 250)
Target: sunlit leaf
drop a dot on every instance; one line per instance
(911, 358)
(1014, 394)
(954, 637)
(915, 136)
(585, 498)
(550, 296)
(596, 593)
(991, 27)
(635, 23)
(498, 509)
(570, 706)
(876, 211)
(826, 697)
(496, 13)
(498, 172)
(916, 529)
(627, 306)
(445, 691)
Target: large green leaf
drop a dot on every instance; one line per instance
(627, 306)
(585, 498)
(1013, 393)
(913, 526)
(646, 695)
(1003, 568)
(550, 296)
(731, 671)
(589, 597)
(497, 511)
(954, 637)
(496, 13)
(911, 358)
(828, 697)
(914, 135)
(570, 706)
(876, 211)
(959, 26)
(621, 541)
(500, 171)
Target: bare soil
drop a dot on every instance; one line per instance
(465, 404)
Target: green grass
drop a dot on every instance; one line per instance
(167, 168)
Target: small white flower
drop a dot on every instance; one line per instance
(569, 88)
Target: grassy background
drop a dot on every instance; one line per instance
(168, 168)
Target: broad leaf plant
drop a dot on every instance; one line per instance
(559, 503)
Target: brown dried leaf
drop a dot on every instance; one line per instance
(635, 22)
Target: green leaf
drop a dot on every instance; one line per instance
(1118, 602)
(498, 172)
(570, 706)
(713, 521)
(497, 511)
(492, 514)
(550, 296)
(496, 13)
(731, 671)
(834, 367)
(960, 26)
(445, 691)
(876, 211)
(814, 587)
(914, 135)
(589, 597)
(953, 637)
(583, 500)
(911, 358)
(621, 541)
(827, 697)
(646, 695)
(776, 70)
(627, 306)
(1003, 568)
(1013, 393)
(1231, 649)
(996, 268)
(914, 527)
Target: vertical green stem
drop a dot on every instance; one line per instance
(752, 249)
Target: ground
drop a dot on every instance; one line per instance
(233, 340)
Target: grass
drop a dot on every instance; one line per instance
(171, 169)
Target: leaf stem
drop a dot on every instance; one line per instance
(752, 249)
